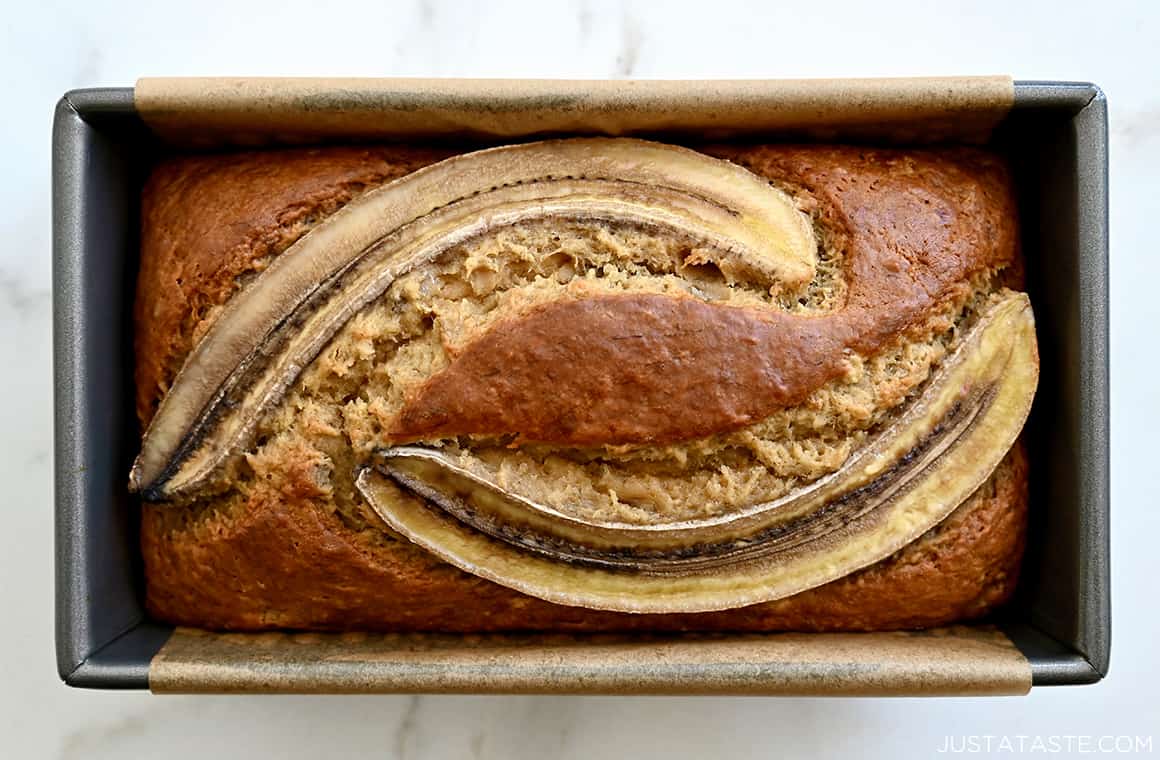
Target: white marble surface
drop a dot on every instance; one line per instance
(47, 48)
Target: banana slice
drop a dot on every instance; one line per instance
(908, 478)
(274, 328)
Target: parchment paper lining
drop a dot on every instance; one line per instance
(960, 661)
(242, 112)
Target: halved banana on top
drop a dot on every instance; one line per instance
(270, 331)
(910, 476)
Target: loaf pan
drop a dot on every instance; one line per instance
(1057, 629)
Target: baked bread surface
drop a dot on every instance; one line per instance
(289, 551)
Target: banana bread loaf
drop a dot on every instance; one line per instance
(627, 355)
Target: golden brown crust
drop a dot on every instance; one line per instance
(519, 377)
(282, 559)
(910, 245)
(250, 208)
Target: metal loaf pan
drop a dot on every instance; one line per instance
(1055, 135)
